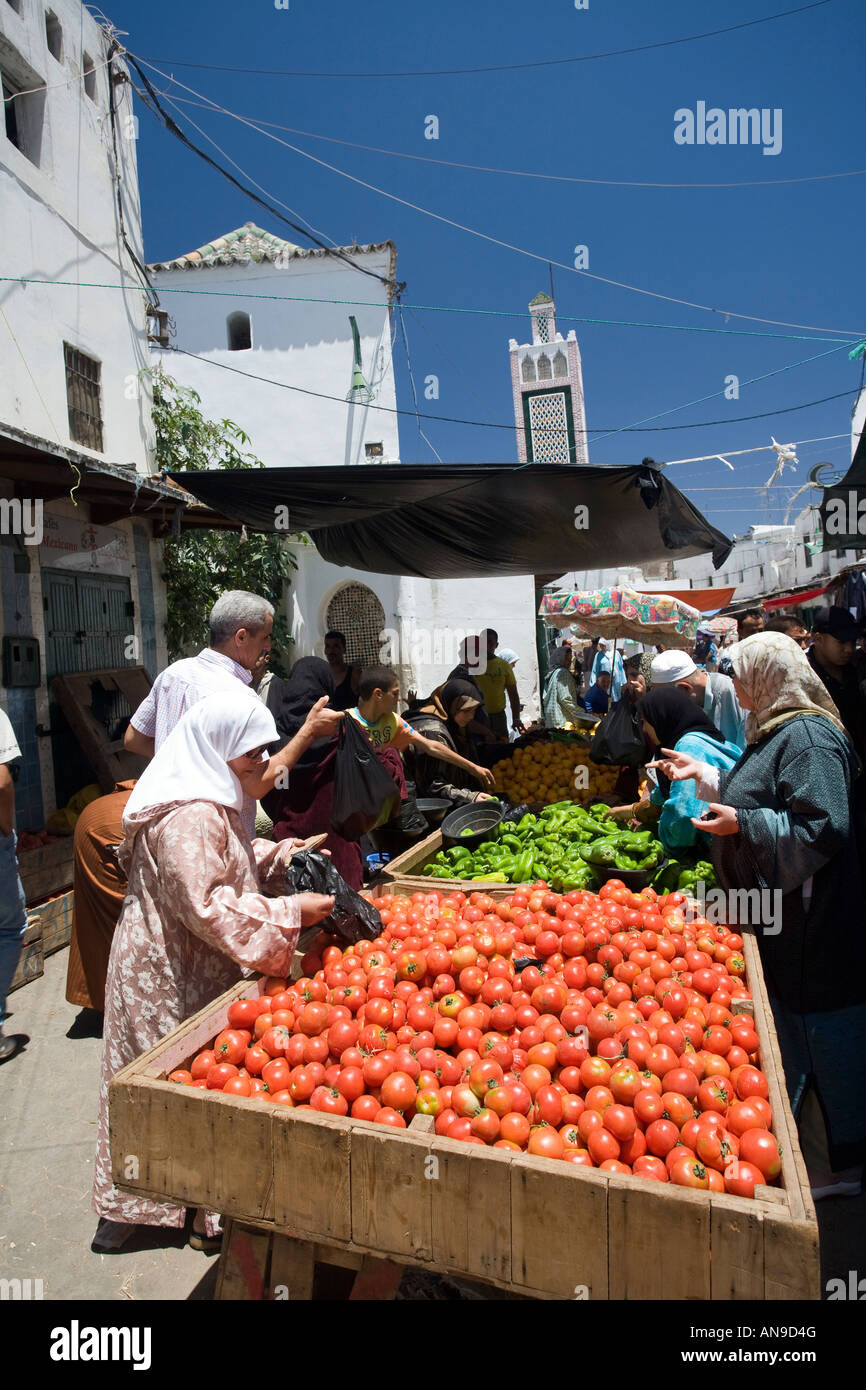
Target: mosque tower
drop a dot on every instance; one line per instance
(547, 382)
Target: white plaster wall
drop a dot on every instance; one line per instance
(301, 344)
(60, 222)
(428, 618)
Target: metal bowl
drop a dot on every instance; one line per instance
(434, 809)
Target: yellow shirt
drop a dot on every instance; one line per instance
(389, 730)
(496, 679)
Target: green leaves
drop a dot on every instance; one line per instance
(200, 565)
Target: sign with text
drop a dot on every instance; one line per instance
(72, 544)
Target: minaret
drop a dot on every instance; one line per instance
(547, 382)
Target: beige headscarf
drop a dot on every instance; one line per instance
(779, 682)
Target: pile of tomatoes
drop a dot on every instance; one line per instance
(616, 1048)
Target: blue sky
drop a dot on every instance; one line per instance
(790, 252)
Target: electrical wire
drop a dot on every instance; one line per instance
(412, 383)
(434, 309)
(313, 231)
(751, 381)
(505, 67)
(485, 236)
(488, 424)
(527, 173)
(172, 126)
(53, 86)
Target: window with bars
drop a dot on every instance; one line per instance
(356, 611)
(83, 397)
(542, 322)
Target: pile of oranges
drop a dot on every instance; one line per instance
(551, 772)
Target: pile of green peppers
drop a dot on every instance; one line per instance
(683, 874)
(565, 845)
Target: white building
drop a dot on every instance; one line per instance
(79, 561)
(261, 307)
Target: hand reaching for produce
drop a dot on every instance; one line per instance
(485, 777)
(679, 766)
(315, 907)
(718, 820)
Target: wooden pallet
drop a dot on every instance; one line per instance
(31, 963)
(55, 917)
(405, 871)
(531, 1226)
(47, 870)
(110, 760)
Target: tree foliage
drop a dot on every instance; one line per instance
(200, 565)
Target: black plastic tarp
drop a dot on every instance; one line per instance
(450, 521)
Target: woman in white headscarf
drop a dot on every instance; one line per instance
(560, 701)
(782, 823)
(195, 914)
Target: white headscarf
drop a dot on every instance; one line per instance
(192, 764)
(780, 682)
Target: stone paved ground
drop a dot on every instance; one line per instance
(47, 1136)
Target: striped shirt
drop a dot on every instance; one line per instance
(180, 686)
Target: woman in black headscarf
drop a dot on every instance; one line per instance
(444, 717)
(304, 807)
(673, 719)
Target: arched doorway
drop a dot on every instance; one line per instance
(356, 611)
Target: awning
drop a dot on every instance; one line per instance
(794, 600)
(41, 468)
(705, 600)
(449, 521)
(653, 619)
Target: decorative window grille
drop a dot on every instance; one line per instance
(528, 369)
(543, 327)
(83, 397)
(356, 611)
(549, 424)
(544, 369)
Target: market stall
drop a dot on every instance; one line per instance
(320, 1178)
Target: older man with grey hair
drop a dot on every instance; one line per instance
(240, 634)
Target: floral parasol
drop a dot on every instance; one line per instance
(653, 619)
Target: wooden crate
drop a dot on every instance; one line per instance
(532, 1226)
(31, 963)
(55, 917)
(405, 871)
(47, 870)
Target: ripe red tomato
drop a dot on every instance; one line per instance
(180, 1077)
(387, 1116)
(329, 1100)
(760, 1148)
(219, 1074)
(545, 1142)
(243, 1013)
(741, 1178)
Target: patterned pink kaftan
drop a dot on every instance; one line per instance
(193, 916)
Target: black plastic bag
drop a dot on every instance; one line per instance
(353, 916)
(619, 740)
(364, 795)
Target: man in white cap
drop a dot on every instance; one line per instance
(714, 692)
